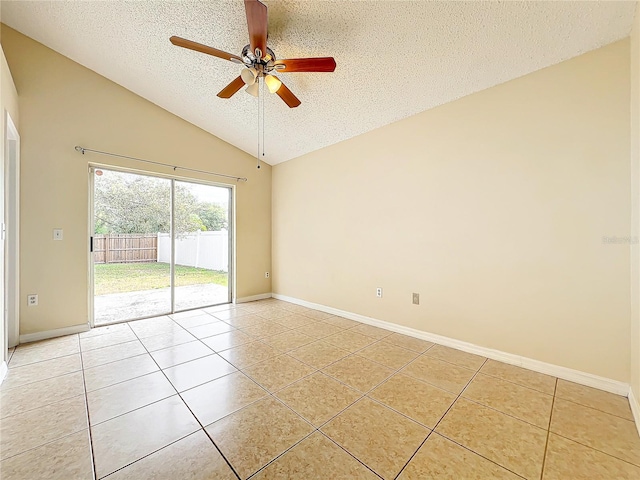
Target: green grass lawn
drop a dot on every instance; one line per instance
(132, 277)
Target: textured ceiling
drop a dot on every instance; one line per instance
(395, 59)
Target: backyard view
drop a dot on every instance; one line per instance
(131, 277)
(133, 245)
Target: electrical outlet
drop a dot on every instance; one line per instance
(379, 292)
(416, 299)
(57, 234)
(32, 300)
(266, 274)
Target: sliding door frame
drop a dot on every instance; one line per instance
(231, 261)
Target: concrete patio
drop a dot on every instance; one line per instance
(125, 306)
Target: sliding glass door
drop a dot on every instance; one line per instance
(201, 244)
(158, 245)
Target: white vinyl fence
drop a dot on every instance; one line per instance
(208, 250)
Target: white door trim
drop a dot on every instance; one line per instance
(12, 219)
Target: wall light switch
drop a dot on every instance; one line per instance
(57, 234)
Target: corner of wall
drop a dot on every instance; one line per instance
(635, 407)
(634, 391)
(3, 371)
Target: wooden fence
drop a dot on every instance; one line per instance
(125, 248)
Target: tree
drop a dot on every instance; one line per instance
(214, 216)
(125, 203)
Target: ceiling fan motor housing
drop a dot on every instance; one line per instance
(251, 60)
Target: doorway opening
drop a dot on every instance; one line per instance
(159, 245)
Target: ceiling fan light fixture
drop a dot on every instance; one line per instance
(249, 76)
(273, 83)
(253, 89)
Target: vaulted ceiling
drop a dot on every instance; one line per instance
(395, 58)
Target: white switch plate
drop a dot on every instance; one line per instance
(57, 234)
(32, 300)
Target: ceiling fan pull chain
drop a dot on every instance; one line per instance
(258, 149)
(263, 118)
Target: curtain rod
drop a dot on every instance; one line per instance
(175, 167)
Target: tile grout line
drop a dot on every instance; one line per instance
(22, 385)
(283, 386)
(596, 409)
(87, 414)
(51, 402)
(349, 453)
(111, 346)
(190, 411)
(315, 429)
(517, 383)
(471, 400)
(546, 443)
(43, 360)
(274, 397)
(362, 395)
(496, 410)
(120, 381)
(45, 443)
(433, 431)
(375, 387)
(151, 453)
(597, 450)
(65, 399)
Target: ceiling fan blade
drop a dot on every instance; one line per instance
(198, 47)
(257, 23)
(320, 64)
(287, 95)
(232, 88)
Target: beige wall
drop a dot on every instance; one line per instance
(492, 207)
(635, 207)
(8, 103)
(63, 104)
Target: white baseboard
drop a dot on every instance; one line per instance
(58, 332)
(583, 378)
(253, 298)
(3, 371)
(635, 408)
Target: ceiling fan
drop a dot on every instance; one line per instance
(259, 60)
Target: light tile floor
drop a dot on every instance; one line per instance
(272, 390)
